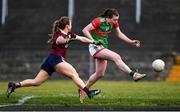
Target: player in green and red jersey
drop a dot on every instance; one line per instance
(99, 29)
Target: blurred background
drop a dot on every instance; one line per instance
(25, 25)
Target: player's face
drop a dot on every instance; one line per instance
(114, 19)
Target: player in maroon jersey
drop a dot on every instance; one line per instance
(61, 37)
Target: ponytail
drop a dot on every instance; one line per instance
(54, 30)
(58, 24)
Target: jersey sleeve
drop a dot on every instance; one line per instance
(72, 35)
(59, 39)
(96, 23)
(116, 24)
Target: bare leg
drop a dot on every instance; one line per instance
(100, 70)
(68, 70)
(110, 55)
(101, 65)
(41, 77)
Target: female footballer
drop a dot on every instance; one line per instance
(61, 37)
(98, 29)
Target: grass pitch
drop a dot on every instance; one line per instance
(114, 93)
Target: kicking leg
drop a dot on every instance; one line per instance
(110, 55)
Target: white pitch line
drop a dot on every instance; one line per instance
(6, 105)
(24, 99)
(20, 101)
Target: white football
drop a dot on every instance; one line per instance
(158, 65)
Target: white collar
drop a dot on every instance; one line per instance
(63, 32)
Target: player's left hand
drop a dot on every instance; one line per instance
(136, 43)
(70, 40)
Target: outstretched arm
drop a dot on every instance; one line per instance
(84, 39)
(87, 40)
(126, 39)
(61, 40)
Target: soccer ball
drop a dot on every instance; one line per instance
(158, 65)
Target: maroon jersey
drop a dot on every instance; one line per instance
(61, 49)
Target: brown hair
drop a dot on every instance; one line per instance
(109, 13)
(58, 24)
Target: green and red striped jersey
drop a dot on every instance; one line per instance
(102, 28)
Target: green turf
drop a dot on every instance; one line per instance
(124, 93)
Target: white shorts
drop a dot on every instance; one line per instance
(94, 49)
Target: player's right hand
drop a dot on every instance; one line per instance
(70, 40)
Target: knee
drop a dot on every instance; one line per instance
(117, 58)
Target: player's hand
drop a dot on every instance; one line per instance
(69, 40)
(98, 42)
(136, 43)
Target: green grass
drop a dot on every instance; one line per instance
(124, 93)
